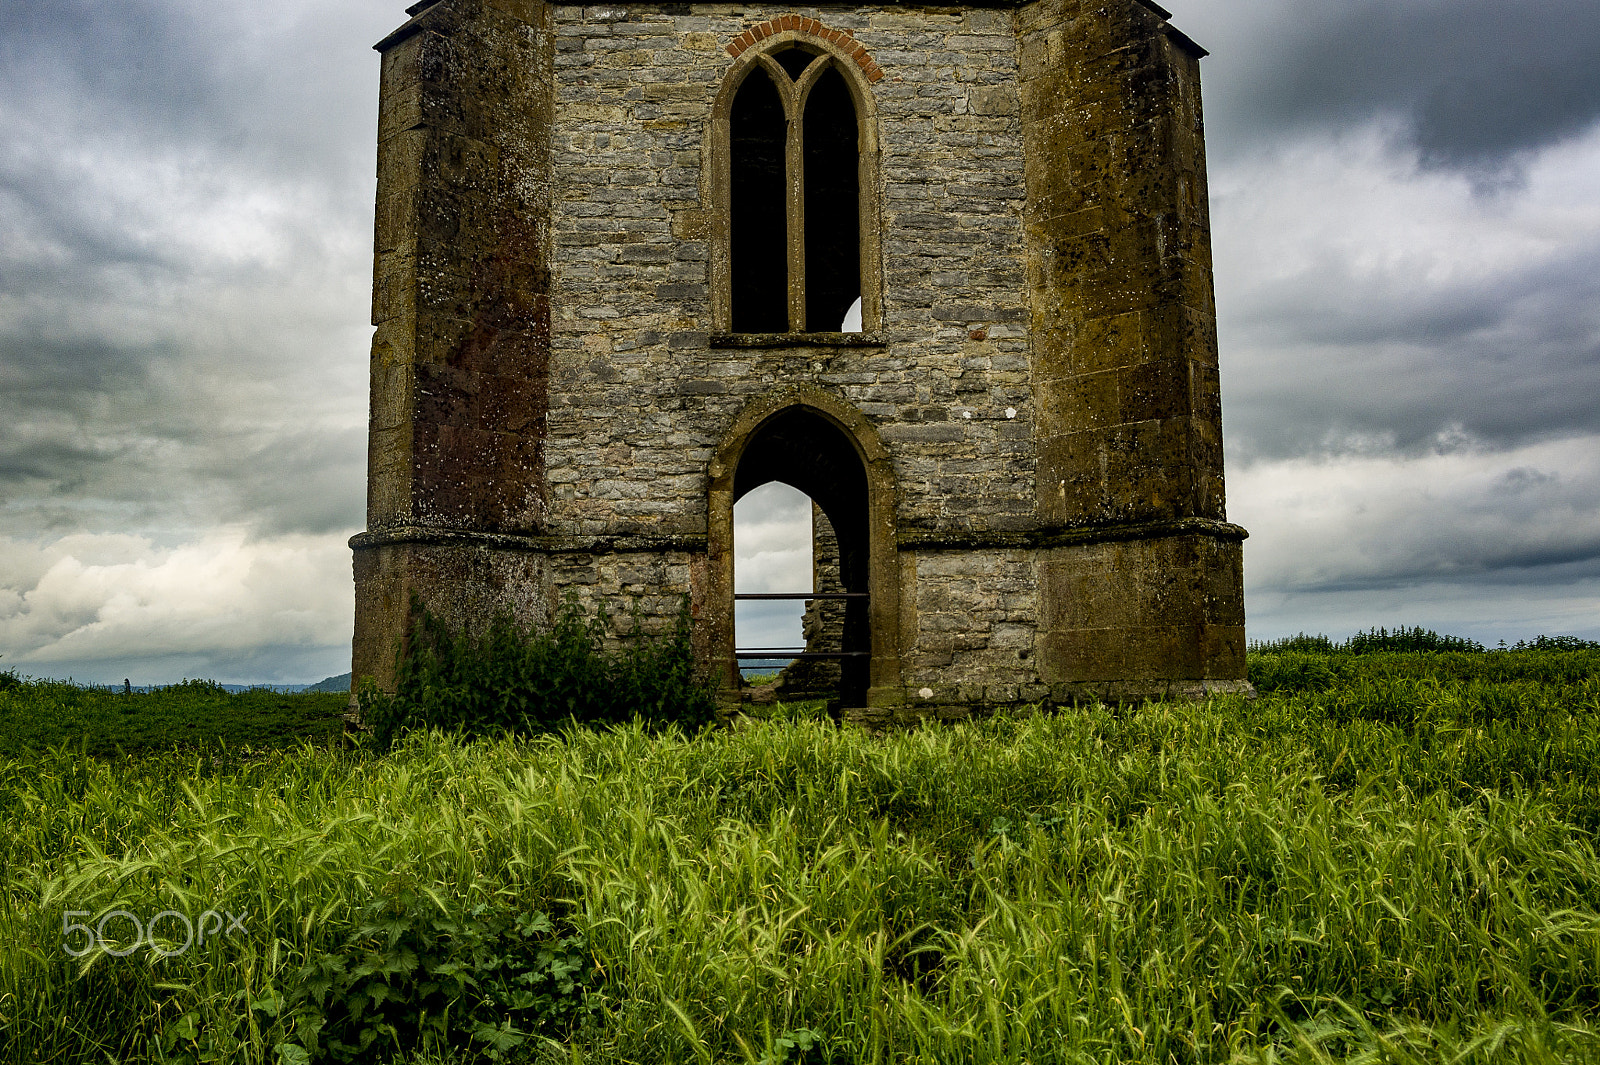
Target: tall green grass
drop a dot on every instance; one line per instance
(1394, 861)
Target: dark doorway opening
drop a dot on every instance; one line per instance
(801, 448)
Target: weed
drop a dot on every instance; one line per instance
(422, 973)
(512, 680)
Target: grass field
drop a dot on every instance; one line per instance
(194, 715)
(1384, 858)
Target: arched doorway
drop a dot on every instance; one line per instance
(804, 450)
(827, 450)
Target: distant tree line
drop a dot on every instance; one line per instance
(1415, 638)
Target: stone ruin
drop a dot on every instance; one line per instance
(945, 269)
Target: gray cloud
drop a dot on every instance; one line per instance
(100, 607)
(1482, 520)
(1475, 84)
(185, 226)
(1484, 611)
(56, 373)
(1355, 366)
(323, 470)
(244, 81)
(772, 553)
(1369, 307)
(266, 664)
(1409, 364)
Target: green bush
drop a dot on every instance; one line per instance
(511, 680)
(422, 973)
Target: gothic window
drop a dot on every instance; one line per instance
(759, 222)
(797, 153)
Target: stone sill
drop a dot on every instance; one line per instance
(798, 340)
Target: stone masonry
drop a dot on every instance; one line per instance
(1020, 451)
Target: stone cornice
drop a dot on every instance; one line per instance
(1031, 539)
(420, 10)
(1070, 536)
(546, 545)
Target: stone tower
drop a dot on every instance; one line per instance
(946, 269)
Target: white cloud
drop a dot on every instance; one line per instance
(1472, 536)
(772, 540)
(1360, 200)
(1365, 303)
(92, 603)
(772, 553)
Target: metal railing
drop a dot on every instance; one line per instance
(791, 652)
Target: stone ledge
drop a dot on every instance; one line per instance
(1124, 691)
(697, 544)
(656, 5)
(421, 15)
(1071, 537)
(548, 545)
(798, 340)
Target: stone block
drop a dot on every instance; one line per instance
(998, 100)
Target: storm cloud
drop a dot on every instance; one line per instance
(1468, 84)
(1378, 304)
(185, 230)
(1407, 245)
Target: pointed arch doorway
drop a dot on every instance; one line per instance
(827, 450)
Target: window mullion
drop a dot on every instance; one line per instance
(795, 151)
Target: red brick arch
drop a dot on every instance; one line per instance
(839, 38)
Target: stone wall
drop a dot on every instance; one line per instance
(976, 615)
(461, 304)
(1124, 327)
(639, 398)
(654, 583)
(557, 407)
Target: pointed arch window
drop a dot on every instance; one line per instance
(798, 160)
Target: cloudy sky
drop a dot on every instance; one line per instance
(1406, 204)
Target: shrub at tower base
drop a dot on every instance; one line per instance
(511, 680)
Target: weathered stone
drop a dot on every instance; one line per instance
(1017, 465)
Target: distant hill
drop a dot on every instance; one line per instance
(341, 683)
(287, 689)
